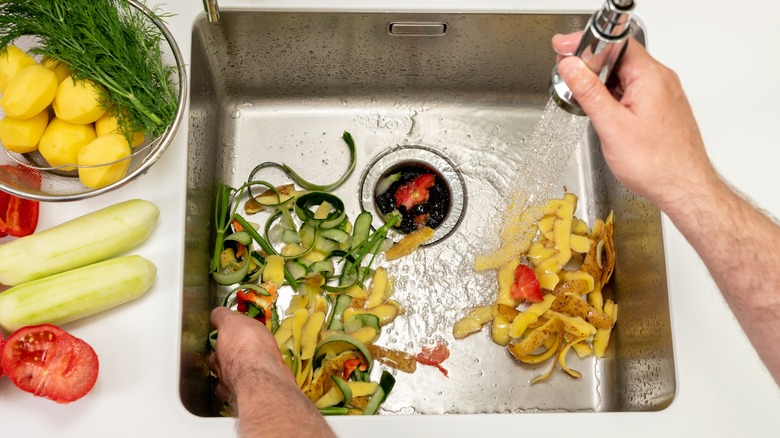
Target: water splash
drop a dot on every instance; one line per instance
(511, 163)
(552, 143)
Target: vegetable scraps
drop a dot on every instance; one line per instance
(340, 301)
(550, 300)
(416, 192)
(434, 356)
(108, 42)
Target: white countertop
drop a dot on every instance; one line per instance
(729, 61)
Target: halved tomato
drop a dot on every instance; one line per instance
(49, 362)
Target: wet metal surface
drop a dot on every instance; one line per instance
(278, 86)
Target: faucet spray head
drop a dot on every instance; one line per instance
(603, 43)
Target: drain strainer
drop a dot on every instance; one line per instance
(409, 168)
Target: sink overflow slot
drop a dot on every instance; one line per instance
(417, 29)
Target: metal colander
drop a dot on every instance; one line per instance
(62, 183)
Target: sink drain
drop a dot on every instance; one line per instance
(403, 168)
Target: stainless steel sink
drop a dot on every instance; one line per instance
(463, 90)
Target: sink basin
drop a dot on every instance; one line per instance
(462, 92)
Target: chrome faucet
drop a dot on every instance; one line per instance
(212, 10)
(603, 43)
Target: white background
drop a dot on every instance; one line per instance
(728, 58)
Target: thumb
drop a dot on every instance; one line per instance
(219, 314)
(590, 92)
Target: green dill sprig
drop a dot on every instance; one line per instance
(109, 42)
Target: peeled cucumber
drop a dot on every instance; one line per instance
(68, 296)
(87, 239)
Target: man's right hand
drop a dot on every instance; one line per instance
(650, 138)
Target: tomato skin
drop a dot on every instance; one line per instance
(434, 356)
(415, 192)
(49, 362)
(526, 285)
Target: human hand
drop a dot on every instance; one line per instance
(649, 137)
(245, 351)
(256, 382)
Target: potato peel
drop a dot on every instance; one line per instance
(409, 243)
(572, 265)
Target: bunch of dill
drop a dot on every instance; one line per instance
(109, 42)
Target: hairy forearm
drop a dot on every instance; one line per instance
(275, 407)
(741, 248)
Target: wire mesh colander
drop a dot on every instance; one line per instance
(62, 183)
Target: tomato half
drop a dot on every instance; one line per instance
(49, 362)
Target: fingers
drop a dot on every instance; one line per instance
(223, 393)
(634, 62)
(566, 45)
(213, 363)
(592, 95)
(218, 315)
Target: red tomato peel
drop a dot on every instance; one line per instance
(415, 192)
(434, 357)
(48, 362)
(526, 285)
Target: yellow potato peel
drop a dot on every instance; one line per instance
(572, 265)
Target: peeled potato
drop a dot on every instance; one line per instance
(109, 125)
(22, 135)
(59, 68)
(62, 141)
(29, 92)
(78, 101)
(104, 149)
(11, 62)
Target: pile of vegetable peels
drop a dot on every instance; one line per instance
(550, 297)
(327, 334)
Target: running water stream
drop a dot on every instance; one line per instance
(552, 143)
